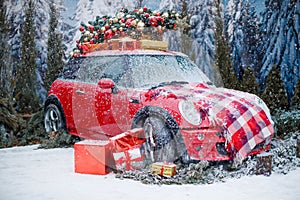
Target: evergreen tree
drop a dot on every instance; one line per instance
(25, 91)
(5, 61)
(55, 53)
(248, 83)
(296, 97)
(222, 55)
(275, 95)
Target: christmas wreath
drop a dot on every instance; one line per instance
(138, 24)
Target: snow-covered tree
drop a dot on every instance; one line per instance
(171, 5)
(16, 21)
(55, 53)
(202, 31)
(26, 83)
(5, 63)
(241, 25)
(235, 34)
(280, 28)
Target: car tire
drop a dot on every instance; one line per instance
(54, 119)
(160, 144)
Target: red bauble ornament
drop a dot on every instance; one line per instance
(122, 20)
(92, 28)
(92, 42)
(153, 21)
(107, 27)
(81, 28)
(174, 26)
(109, 34)
(161, 19)
(147, 15)
(145, 9)
(96, 36)
(128, 22)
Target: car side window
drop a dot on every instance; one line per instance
(70, 70)
(96, 67)
(116, 68)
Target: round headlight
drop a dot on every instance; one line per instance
(189, 112)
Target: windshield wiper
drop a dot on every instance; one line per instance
(168, 83)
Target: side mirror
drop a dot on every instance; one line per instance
(106, 83)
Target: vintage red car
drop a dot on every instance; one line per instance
(104, 93)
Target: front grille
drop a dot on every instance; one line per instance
(221, 148)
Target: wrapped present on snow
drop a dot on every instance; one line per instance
(126, 149)
(163, 168)
(93, 157)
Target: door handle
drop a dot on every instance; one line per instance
(134, 101)
(80, 91)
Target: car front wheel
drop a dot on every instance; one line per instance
(160, 144)
(53, 119)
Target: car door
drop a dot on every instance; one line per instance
(111, 103)
(83, 99)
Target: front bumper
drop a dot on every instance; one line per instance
(209, 144)
(205, 144)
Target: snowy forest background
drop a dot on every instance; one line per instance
(249, 45)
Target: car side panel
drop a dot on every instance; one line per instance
(63, 90)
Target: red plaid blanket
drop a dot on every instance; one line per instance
(245, 118)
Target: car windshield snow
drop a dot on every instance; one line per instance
(138, 71)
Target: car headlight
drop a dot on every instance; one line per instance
(189, 112)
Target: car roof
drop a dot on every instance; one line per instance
(133, 52)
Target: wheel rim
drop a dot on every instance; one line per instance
(150, 141)
(52, 119)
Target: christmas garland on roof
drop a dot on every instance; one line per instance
(140, 23)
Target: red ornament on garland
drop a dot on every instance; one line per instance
(92, 28)
(109, 34)
(128, 22)
(153, 21)
(81, 28)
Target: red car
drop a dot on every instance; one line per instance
(105, 93)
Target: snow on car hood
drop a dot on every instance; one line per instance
(244, 117)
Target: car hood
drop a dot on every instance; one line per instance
(244, 117)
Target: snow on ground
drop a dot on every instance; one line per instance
(29, 173)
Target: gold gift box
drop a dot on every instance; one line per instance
(163, 168)
(154, 45)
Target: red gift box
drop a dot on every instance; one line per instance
(127, 154)
(129, 44)
(93, 157)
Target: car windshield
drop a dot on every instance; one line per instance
(152, 70)
(138, 71)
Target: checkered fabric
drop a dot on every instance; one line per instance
(245, 118)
